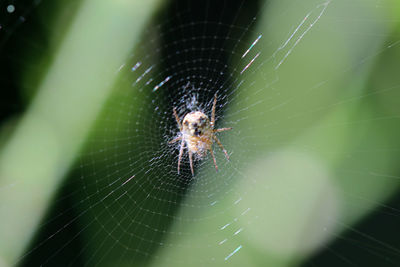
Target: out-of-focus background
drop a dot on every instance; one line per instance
(88, 176)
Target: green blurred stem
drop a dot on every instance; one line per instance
(51, 132)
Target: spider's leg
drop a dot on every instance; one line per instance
(213, 111)
(215, 162)
(180, 154)
(175, 140)
(221, 146)
(222, 129)
(191, 161)
(177, 119)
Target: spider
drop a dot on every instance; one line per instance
(198, 134)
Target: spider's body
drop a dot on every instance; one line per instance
(198, 134)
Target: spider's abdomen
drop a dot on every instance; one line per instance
(197, 132)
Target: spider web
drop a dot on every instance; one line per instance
(313, 147)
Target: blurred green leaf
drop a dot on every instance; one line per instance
(50, 133)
